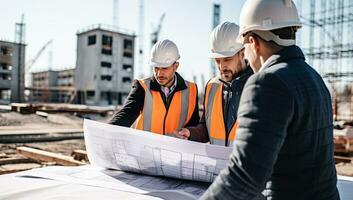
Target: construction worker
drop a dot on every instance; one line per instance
(222, 94)
(284, 145)
(164, 102)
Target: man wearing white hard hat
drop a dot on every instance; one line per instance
(164, 102)
(222, 94)
(284, 146)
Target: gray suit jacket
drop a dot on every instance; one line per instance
(284, 143)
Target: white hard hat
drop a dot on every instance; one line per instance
(266, 15)
(223, 40)
(164, 53)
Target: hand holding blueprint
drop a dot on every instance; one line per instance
(139, 151)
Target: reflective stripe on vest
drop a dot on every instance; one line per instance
(154, 116)
(214, 115)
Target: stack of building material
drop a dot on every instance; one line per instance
(343, 140)
(46, 156)
(29, 158)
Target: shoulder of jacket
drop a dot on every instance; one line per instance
(144, 79)
(213, 81)
(190, 83)
(269, 79)
(143, 83)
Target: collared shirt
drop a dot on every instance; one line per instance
(263, 66)
(167, 91)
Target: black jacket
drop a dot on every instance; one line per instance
(200, 133)
(284, 144)
(135, 102)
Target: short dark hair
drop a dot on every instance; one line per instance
(287, 33)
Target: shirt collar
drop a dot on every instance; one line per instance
(287, 53)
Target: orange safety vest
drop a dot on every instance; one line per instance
(214, 115)
(155, 118)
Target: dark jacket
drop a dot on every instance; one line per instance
(199, 133)
(284, 146)
(135, 102)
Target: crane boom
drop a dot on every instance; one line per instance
(30, 63)
(155, 33)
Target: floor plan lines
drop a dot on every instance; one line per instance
(138, 151)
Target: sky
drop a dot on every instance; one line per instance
(187, 23)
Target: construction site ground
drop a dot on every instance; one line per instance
(59, 133)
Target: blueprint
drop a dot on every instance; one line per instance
(120, 181)
(137, 151)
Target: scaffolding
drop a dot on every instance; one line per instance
(327, 41)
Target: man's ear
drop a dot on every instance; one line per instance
(176, 65)
(255, 43)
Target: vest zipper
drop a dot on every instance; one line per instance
(166, 105)
(225, 115)
(165, 117)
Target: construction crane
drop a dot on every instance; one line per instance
(157, 30)
(31, 62)
(141, 38)
(215, 22)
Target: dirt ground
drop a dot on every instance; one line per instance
(64, 147)
(13, 123)
(32, 121)
(17, 120)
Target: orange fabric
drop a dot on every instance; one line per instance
(217, 127)
(173, 116)
(163, 121)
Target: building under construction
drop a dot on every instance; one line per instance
(12, 57)
(104, 65)
(56, 86)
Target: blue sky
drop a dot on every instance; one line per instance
(187, 23)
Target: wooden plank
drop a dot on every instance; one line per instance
(2, 172)
(12, 168)
(46, 156)
(23, 108)
(42, 114)
(14, 160)
(79, 155)
(343, 159)
(53, 88)
(343, 144)
(5, 107)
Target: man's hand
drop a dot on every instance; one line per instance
(183, 133)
